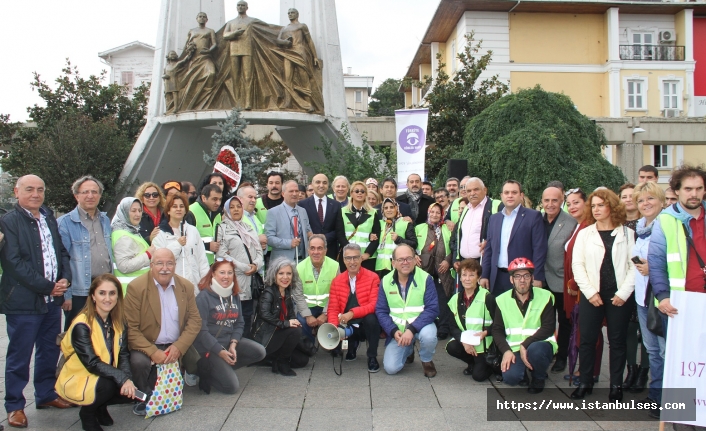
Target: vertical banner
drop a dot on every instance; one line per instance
(685, 359)
(411, 127)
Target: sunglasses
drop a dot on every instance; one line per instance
(153, 195)
(572, 191)
(360, 191)
(227, 259)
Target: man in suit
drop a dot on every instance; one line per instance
(162, 318)
(559, 226)
(514, 232)
(418, 202)
(324, 213)
(279, 227)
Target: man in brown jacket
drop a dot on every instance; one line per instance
(162, 318)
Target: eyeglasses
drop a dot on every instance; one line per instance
(351, 258)
(409, 259)
(154, 195)
(226, 258)
(90, 192)
(519, 277)
(572, 191)
(359, 191)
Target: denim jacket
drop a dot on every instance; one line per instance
(77, 242)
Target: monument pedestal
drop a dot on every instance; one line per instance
(172, 146)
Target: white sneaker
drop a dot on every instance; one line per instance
(191, 379)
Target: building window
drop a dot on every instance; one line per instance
(670, 94)
(358, 96)
(640, 51)
(636, 94)
(453, 56)
(662, 156)
(127, 78)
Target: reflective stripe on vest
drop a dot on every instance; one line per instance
(422, 231)
(316, 291)
(518, 327)
(260, 210)
(454, 210)
(362, 234)
(206, 227)
(125, 279)
(383, 254)
(677, 253)
(405, 312)
(477, 316)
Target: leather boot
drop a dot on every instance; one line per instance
(89, 421)
(284, 368)
(103, 416)
(274, 365)
(581, 391)
(631, 378)
(642, 376)
(616, 393)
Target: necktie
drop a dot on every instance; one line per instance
(321, 212)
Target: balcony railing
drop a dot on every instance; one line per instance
(652, 52)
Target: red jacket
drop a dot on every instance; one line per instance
(367, 284)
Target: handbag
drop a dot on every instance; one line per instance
(167, 395)
(654, 319)
(62, 359)
(492, 355)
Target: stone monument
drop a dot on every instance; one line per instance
(288, 76)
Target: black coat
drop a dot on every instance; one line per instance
(82, 343)
(23, 285)
(487, 212)
(267, 318)
(332, 220)
(424, 203)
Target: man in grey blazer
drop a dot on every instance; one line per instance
(279, 226)
(559, 226)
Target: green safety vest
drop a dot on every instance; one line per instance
(384, 252)
(362, 234)
(259, 228)
(206, 228)
(518, 327)
(260, 210)
(477, 316)
(316, 291)
(405, 312)
(423, 229)
(677, 251)
(124, 278)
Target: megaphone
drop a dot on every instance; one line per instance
(329, 336)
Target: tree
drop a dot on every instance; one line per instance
(386, 99)
(453, 102)
(85, 128)
(534, 136)
(344, 158)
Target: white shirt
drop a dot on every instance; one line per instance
(323, 204)
(352, 283)
(506, 231)
(470, 228)
(169, 331)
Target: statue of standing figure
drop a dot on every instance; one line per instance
(238, 32)
(300, 63)
(171, 83)
(201, 73)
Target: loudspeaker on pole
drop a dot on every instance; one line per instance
(457, 168)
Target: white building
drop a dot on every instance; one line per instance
(130, 64)
(358, 90)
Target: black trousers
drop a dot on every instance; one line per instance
(481, 370)
(283, 345)
(590, 320)
(564, 332)
(444, 319)
(248, 308)
(77, 304)
(107, 393)
(368, 329)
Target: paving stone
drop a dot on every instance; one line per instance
(273, 418)
(347, 397)
(350, 419)
(404, 419)
(207, 419)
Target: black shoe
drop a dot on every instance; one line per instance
(373, 366)
(284, 369)
(580, 392)
(468, 371)
(410, 358)
(140, 409)
(498, 378)
(88, 420)
(616, 393)
(103, 416)
(353, 351)
(536, 386)
(653, 413)
(631, 378)
(524, 382)
(642, 376)
(559, 366)
(442, 335)
(274, 366)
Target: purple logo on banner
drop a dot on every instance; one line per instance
(411, 139)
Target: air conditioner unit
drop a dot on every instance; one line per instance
(671, 113)
(666, 36)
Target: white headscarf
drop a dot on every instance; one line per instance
(245, 231)
(121, 219)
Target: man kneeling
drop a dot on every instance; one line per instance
(523, 328)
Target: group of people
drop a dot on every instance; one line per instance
(219, 279)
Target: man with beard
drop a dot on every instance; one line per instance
(418, 202)
(272, 198)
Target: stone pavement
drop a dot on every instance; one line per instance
(317, 399)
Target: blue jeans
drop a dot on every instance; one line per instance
(27, 331)
(655, 349)
(395, 356)
(306, 329)
(539, 354)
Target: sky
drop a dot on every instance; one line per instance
(377, 38)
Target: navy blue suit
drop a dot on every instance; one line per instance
(331, 220)
(527, 239)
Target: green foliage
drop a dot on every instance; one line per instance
(386, 99)
(85, 128)
(344, 158)
(277, 153)
(534, 137)
(453, 102)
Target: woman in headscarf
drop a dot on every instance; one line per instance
(434, 257)
(239, 241)
(131, 251)
(393, 231)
